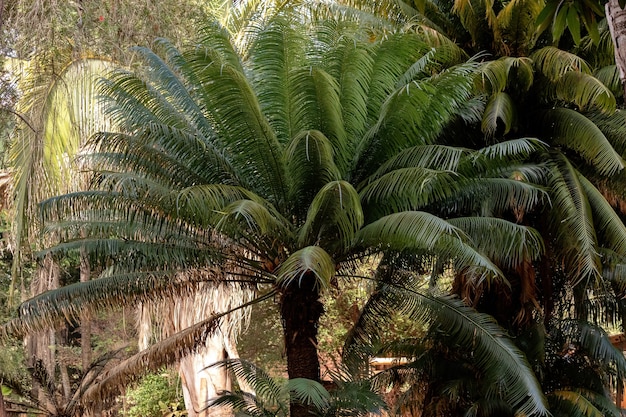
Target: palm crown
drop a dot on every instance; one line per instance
(286, 169)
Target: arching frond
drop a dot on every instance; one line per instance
(585, 91)
(516, 26)
(316, 104)
(554, 63)
(506, 243)
(595, 342)
(310, 165)
(576, 234)
(520, 147)
(500, 111)
(415, 115)
(334, 217)
(420, 231)
(609, 76)
(492, 351)
(408, 189)
(475, 15)
(440, 157)
(204, 203)
(251, 219)
(577, 404)
(608, 223)
(277, 49)
(573, 130)
(310, 262)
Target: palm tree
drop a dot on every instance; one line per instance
(282, 171)
(553, 95)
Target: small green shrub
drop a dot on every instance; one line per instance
(155, 396)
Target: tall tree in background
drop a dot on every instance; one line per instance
(52, 45)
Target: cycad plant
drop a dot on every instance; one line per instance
(530, 89)
(284, 170)
(271, 396)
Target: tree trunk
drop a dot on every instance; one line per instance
(202, 382)
(3, 410)
(300, 310)
(85, 320)
(40, 346)
(616, 19)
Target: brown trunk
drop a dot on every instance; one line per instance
(300, 311)
(85, 320)
(616, 19)
(3, 410)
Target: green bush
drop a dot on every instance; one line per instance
(155, 396)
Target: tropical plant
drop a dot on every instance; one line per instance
(284, 171)
(568, 104)
(345, 396)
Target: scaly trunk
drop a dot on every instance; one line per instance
(616, 19)
(300, 311)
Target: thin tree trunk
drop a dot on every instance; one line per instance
(3, 410)
(85, 320)
(40, 346)
(616, 19)
(300, 311)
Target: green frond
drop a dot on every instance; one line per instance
(408, 189)
(506, 243)
(440, 157)
(316, 104)
(518, 148)
(609, 76)
(167, 79)
(310, 165)
(308, 392)
(276, 50)
(494, 75)
(216, 40)
(415, 115)
(236, 115)
(554, 63)
(576, 404)
(354, 73)
(596, 343)
(516, 26)
(267, 390)
(585, 91)
(568, 128)
(203, 204)
(391, 57)
(613, 126)
(311, 262)
(493, 352)
(501, 190)
(334, 217)
(500, 110)
(52, 308)
(423, 232)
(418, 70)
(475, 15)
(574, 231)
(606, 220)
(251, 219)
